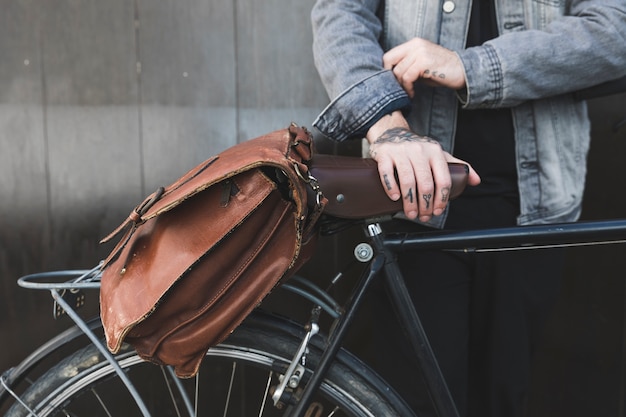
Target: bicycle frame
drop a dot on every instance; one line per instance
(500, 239)
(383, 247)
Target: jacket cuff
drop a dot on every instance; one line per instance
(355, 110)
(483, 75)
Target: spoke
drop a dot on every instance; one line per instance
(267, 389)
(230, 388)
(170, 391)
(104, 407)
(332, 413)
(192, 410)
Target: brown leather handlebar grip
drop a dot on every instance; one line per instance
(353, 189)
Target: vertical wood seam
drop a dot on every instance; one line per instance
(238, 132)
(138, 71)
(46, 137)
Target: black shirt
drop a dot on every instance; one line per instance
(485, 137)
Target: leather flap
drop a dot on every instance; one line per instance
(163, 248)
(273, 149)
(280, 149)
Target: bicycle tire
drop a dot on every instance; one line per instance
(260, 349)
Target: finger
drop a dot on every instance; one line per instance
(473, 177)
(392, 57)
(409, 78)
(400, 60)
(405, 74)
(388, 62)
(408, 188)
(387, 179)
(443, 185)
(425, 190)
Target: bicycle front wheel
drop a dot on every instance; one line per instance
(236, 379)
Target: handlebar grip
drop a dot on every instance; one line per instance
(353, 189)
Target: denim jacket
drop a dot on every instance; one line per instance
(547, 50)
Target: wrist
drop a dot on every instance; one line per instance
(392, 120)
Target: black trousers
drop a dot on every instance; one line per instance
(483, 313)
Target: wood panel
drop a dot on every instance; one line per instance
(188, 84)
(23, 148)
(75, 110)
(91, 102)
(24, 214)
(277, 82)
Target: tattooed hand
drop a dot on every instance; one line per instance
(419, 59)
(412, 167)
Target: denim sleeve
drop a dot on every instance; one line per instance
(348, 57)
(569, 53)
(360, 106)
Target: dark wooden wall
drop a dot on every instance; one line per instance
(101, 102)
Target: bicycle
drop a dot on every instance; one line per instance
(279, 366)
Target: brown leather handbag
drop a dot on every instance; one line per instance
(200, 254)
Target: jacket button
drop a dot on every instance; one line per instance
(528, 164)
(449, 6)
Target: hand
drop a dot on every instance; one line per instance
(419, 59)
(420, 163)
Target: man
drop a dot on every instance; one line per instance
(491, 83)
